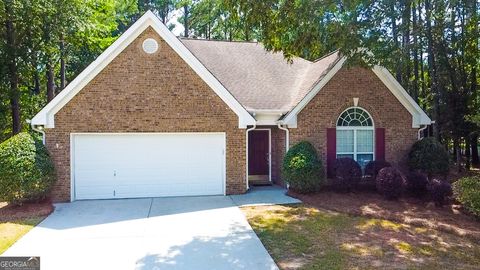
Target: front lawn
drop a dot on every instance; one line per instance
(304, 237)
(11, 231)
(16, 221)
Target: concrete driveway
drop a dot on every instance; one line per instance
(158, 233)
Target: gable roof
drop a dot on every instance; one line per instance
(265, 82)
(419, 117)
(46, 116)
(259, 79)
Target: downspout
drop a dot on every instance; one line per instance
(422, 129)
(41, 131)
(287, 140)
(246, 143)
(287, 136)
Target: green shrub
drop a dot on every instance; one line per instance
(439, 190)
(26, 171)
(374, 166)
(302, 169)
(347, 174)
(428, 156)
(390, 183)
(467, 192)
(416, 184)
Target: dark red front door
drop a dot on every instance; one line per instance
(258, 152)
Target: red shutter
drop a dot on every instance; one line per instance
(331, 151)
(379, 144)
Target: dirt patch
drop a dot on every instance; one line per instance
(406, 210)
(27, 210)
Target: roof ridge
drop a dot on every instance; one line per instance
(220, 40)
(326, 55)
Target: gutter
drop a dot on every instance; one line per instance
(419, 137)
(39, 130)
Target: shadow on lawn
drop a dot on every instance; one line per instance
(416, 212)
(320, 239)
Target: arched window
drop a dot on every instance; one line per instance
(355, 133)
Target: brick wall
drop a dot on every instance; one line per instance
(138, 92)
(337, 95)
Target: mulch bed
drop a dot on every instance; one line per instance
(27, 210)
(411, 211)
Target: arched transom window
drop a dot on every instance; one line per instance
(355, 135)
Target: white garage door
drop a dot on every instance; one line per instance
(147, 165)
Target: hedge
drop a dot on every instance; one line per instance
(26, 170)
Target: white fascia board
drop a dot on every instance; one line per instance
(46, 116)
(419, 117)
(291, 118)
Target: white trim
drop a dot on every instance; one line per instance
(246, 154)
(269, 153)
(46, 116)
(356, 107)
(291, 118)
(72, 152)
(419, 117)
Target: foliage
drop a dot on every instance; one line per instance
(416, 183)
(431, 47)
(429, 156)
(439, 190)
(389, 183)
(302, 169)
(467, 191)
(26, 171)
(347, 174)
(374, 166)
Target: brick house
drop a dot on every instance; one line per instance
(155, 115)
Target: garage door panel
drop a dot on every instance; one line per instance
(148, 165)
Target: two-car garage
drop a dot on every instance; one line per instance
(133, 165)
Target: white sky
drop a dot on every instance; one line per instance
(174, 20)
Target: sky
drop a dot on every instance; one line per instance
(174, 20)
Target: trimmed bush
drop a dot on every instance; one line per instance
(347, 174)
(389, 183)
(26, 171)
(416, 184)
(374, 166)
(429, 156)
(302, 169)
(467, 191)
(439, 191)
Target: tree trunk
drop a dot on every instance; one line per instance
(63, 80)
(458, 154)
(50, 81)
(432, 69)
(474, 147)
(467, 153)
(393, 18)
(415, 55)
(406, 45)
(185, 20)
(12, 68)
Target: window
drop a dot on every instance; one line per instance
(355, 135)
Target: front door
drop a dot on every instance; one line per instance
(259, 155)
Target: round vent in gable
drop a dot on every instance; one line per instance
(150, 45)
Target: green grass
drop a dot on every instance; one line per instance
(10, 232)
(301, 237)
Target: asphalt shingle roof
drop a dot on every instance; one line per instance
(258, 79)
